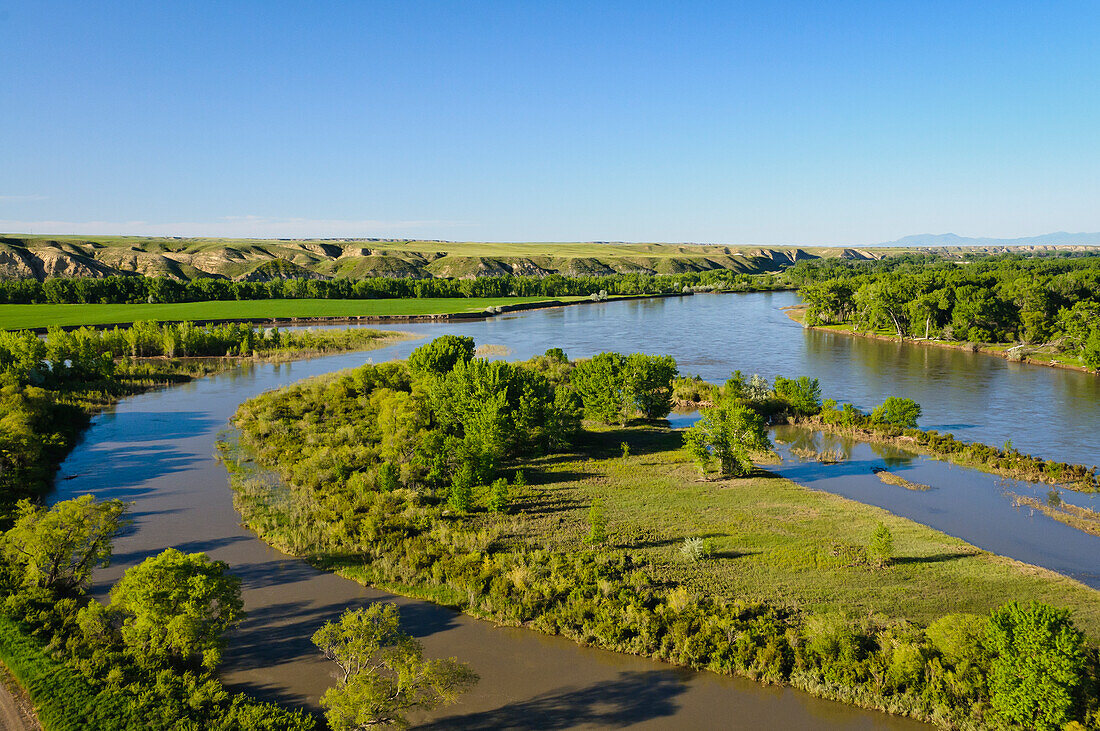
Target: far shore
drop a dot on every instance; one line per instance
(798, 312)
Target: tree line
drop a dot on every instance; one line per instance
(1031, 300)
(396, 478)
(139, 289)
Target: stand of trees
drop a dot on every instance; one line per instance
(146, 659)
(996, 299)
(411, 531)
(139, 289)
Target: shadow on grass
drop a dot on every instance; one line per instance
(934, 558)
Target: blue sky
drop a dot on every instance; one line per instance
(801, 122)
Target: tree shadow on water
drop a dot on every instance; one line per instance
(631, 698)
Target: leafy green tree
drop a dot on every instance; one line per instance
(178, 607)
(902, 412)
(612, 386)
(885, 301)
(960, 638)
(462, 488)
(881, 550)
(649, 383)
(1090, 352)
(731, 433)
(829, 301)
(600, 383)
(57, 548)
(802, 394)
(1038, 668)
(498, 495)
(384, 675)
(441, 354)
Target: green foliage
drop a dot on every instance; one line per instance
(441, 355)
(498, 495)
(803, 394)
(1090, 350)
(731, 433)
(881, 548)
(613, 386)
(57, 548)
(896, 411)
(999, 299)
(177, 607)
(960, 639)
(460, 497)
(385, 675)
(1038, 670)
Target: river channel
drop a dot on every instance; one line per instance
(156, 450)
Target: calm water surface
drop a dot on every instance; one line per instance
(156, 450)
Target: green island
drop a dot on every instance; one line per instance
(552, 495)
(147, 659)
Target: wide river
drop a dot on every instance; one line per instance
(156, 450)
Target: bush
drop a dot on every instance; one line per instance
(1038, 669)
(881, 549)
(896, 411)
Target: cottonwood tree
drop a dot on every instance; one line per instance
(383, 673)
(1039, 665)
(57, 548)
(897, 411)
(177, 607)
(730, 433)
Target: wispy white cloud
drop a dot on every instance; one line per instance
(245, 226)
(21, 198)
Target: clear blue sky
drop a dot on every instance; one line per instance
(767, 122)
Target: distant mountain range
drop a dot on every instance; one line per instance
(1059, 238)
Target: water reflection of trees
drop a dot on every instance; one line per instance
(803, 438)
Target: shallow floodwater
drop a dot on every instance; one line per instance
(966, 503)
(156, 451)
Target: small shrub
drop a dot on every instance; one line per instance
(693, 550)
(881, 549)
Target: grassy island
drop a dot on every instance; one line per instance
(551, 495)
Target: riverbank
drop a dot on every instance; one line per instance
(1034, 355)
(675, 554)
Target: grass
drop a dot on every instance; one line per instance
(61, 697)
(16, 317)
(774, 540)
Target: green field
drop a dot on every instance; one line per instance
(17, 317)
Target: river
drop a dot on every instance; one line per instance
(156, 450)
